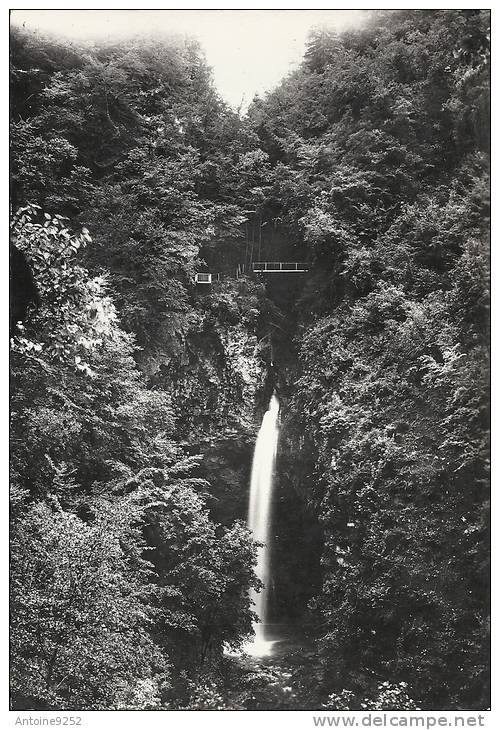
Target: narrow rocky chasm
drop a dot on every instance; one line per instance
(244, 350)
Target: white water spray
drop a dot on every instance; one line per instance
(259, 519)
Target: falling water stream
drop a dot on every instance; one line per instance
(259, 520)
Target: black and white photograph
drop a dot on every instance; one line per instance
(249, 327)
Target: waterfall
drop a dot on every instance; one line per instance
(259, 518)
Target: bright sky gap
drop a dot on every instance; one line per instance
(250, 51)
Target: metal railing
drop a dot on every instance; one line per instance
(258, 267)
(277, 266)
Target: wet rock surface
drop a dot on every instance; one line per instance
(286, 679)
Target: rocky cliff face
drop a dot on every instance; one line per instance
(218, 375)
(215, 373)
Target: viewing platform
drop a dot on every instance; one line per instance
(280, 267)
(203, 278)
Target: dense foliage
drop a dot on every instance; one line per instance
(118, 570)
(124, 586)
(134, 393)
(379, 144)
